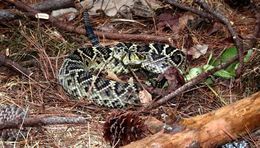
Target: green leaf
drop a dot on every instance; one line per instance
(248, 55)
(228, 54)
(232, 68)
(209, 81)
(207, 67)
(214, 62)
(228, 73)
(224, 74)
(194, 72)
(224, 57)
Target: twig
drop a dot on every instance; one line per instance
(188, 85)
(231, 30)
(70, 28)
(46, 5)
(182, 6)
(42, 121)
(13, 65)
(49, 5)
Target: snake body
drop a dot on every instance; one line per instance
(79, 72)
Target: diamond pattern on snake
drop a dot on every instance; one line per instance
(78, 73)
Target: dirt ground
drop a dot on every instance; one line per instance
(41, 48)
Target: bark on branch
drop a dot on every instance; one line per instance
(43, 121)
(43, 6)
(211, 129)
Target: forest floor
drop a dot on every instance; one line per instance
(41, 48)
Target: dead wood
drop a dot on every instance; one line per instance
(188, 8)
(211, 129)
(47, 5)
(43, 121)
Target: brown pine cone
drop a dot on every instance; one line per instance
(122, 128)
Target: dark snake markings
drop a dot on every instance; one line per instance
(79, 70)
(78, 73)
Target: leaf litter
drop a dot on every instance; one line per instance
(42, 94)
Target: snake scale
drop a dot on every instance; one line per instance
(79, 72)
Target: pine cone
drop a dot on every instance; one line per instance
(9, 113)
(122, 128)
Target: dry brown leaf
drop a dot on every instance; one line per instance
(113, 76)
(176, 23)
(198, 50)
(145, 97)
(110, 8)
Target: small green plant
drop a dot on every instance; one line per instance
(227, 73)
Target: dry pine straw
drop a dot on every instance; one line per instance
(41, 93)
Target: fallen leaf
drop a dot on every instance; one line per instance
(197, 50)
(110, 8)
(215, 28)
(113, 76)
(145, 97)
(59, 12)
(167, 20)
(67, 14)
(176, 23)
(174, 80)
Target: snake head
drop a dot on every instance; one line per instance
(128, 54)
(133, 59)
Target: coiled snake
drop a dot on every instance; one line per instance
(78, 73)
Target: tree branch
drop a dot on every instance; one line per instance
(43, 6)
(116, 36)
(193, 10)
(42, 121)
(211, 129)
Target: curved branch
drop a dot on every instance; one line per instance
(231, 30)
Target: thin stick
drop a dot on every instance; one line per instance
(193, 10)
(13, 65)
